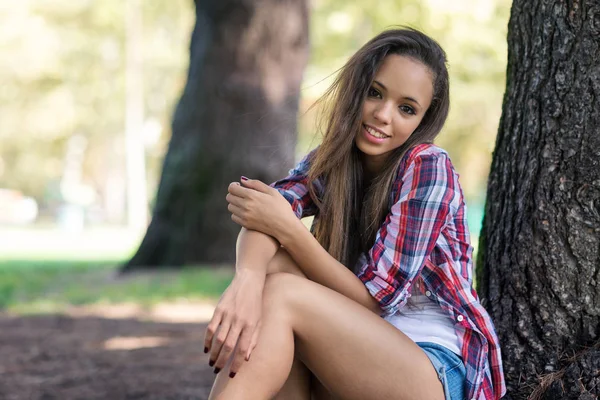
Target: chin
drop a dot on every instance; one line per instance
(369, 150)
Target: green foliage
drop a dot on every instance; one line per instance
(63, 73)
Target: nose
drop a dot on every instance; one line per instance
(383, 113)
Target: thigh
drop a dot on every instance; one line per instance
(318, 391)
(352, 351)
(298, 384)
(449, 367)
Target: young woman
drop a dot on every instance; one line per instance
(378, 301)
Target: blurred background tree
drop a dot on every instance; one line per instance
(237, 115)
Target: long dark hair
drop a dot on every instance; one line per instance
(349, 214)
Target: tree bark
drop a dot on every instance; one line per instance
(539, 263)
(236, 116)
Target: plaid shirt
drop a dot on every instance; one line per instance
(424, 237)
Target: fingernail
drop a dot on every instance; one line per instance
(205, 350)
(217, 370)
(211, 363)
(244, 178)
(232, 374)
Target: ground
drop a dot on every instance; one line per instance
(72, 328)
(89, 357)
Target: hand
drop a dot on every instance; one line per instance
(257, 206)
(236, 320)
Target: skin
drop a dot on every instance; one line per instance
(301, 324)
(399, 96)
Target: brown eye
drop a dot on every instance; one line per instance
(407, 109)
(374, 93)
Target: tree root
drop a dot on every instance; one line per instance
(579, 379)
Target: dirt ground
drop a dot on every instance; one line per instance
(89, 357)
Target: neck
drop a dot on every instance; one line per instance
(371, 167)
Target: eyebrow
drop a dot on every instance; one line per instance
(407, 98)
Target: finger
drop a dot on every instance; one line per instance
(256, 185)
(241, 351)
(238, 221)
(235, 210)
(253, 342)
(238, 190)
(218, 341)
(228, 346)
(211, 329)
(233, 199)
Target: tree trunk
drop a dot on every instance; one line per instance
(236, 116)
(539, 263)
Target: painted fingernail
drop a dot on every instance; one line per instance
(211, 363)
(232, 374)
(217, 370)
(205, 350)
(244, 178)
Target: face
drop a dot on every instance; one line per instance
(396, 102)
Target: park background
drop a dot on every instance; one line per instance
(80, 77)
(64, 107)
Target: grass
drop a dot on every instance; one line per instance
(45, 269)
(34, 286)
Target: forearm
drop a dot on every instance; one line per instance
(319, 266)
(254, 250)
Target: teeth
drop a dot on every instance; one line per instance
(375, 133)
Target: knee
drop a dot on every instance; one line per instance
(280, 288)
(285, 296)
(283, 262)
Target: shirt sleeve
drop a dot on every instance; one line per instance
(424, 202)
(294, 188)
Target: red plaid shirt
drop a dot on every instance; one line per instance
(425, 237)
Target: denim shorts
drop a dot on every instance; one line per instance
(449, 367)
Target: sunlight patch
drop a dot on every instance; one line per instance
(169, 312)
(132, 343)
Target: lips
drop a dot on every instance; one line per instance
(375, 132)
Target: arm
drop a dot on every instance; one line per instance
(319, 266)
(254, 250)
(259, 207)
(276, 211)
(237, 316)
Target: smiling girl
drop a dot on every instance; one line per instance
(377, 301)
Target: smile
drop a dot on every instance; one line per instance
(375, 132)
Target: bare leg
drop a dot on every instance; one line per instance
(297, 385)
(300, 376)
(334, 337)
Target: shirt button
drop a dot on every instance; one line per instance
(460, 318)
(428, 293)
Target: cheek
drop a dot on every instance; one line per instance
(365, 109)
(405, 127)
